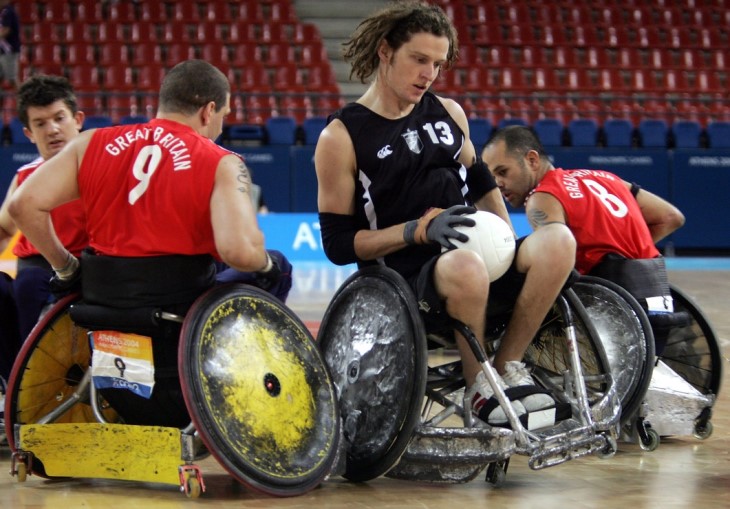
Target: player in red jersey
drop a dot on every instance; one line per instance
(163, 203)
(614, 222)
(48, 110)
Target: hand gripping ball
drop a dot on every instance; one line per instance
(492, 239)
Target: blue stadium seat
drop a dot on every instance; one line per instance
(718, 134)
(96, 121)
(281, 130)
(549, 131)
(245, 133)
(511, 121)
(480, 129)
(583, 132)
(653, 133)
(133, 119)
(312, 126)
(618, 132)
(16, 132)
(686, 134)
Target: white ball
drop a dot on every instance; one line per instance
(492, 239)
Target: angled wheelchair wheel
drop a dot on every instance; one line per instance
(692, 351)
(374, 343)
(626, 335)
(258, 391)
(47, 372)
(550, 356)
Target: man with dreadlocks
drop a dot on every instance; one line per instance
(396, 171)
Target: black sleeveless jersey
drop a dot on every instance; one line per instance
(404, 167)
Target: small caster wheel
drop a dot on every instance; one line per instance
(193, 488)
(497, 473)
(609, 449)
(703, 431)
(21, 470)
(651, 441)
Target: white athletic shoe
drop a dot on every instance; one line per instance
(480, 398)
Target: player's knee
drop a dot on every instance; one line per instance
(463, 271)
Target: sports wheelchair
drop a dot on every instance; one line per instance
(685, 373)
(258, 394)
(402, 409)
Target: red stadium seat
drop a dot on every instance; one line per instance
(205, 33)
(146, 53)
(119, 78)
(111, 31)
(123, 12)
(80, 54)
(287, 78)
(79, 31)
(296, 107)
(44, 32)
(313, 54)
(254, 78)
(245, 54)
(153, 12)
(185, 12)
(178, 52)
(216, 12)
(276, 54)
(306, 33)
(215, 52)
(175, 33)
(85, 78)
(45, 53)
(149, 78)
(282, 12)
(320, 78)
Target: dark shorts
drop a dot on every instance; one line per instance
(502, 295)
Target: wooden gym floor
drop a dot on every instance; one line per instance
(682, 472)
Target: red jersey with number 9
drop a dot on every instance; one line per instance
(602, 214)
(146, 190)
(69, 221)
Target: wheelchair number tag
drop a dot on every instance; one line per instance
(122, 361)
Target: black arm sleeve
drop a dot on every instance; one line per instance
(479, 180)
(338, 237)
(635, 188)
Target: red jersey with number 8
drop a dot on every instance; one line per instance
(602, 214)
(146, 189)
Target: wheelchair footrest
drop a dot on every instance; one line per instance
(563, 443)
(452, 455)
(108, 451)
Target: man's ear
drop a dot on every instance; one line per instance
(533, 159)
(384, 51)
(206, 112)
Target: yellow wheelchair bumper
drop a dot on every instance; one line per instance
(107, 451)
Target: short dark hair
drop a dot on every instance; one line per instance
(192, 84)
(43, 90)
(518, 140)
(396, 24)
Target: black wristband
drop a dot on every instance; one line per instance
(479, 180)
(635, 188)
(409, 232)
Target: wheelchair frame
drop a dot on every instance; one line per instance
(43, 430)
(413, 446)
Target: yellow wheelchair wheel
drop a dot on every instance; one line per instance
(47, 372)
(258, 391)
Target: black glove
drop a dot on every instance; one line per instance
(60, 288)
(437, 226)
(267, 278)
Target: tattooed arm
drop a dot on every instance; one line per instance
(543, 209)
(238, 239)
